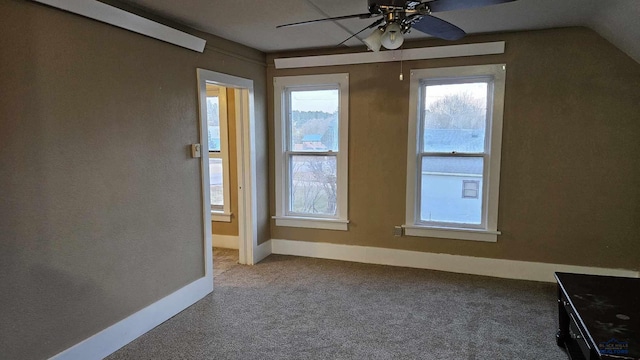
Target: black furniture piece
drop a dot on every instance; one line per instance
(598, 316)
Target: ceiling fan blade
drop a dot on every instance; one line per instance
(439, 28)
(448, 5)
(375, 23)
(360, 16)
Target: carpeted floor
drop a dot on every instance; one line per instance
(223, 261)
(290, 307)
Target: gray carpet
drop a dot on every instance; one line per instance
(301, 308)
(224, 260)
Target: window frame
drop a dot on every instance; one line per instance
(221, 213)
(282, 86)
(487, 230)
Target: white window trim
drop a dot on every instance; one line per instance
(313, 223)
(340, 221)
(224, 214)
(220, 216)
(492, 182)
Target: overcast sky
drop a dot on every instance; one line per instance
(315, 100)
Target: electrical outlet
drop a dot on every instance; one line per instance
(398, 231)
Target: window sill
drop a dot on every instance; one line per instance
(220, 216)
(313, 223)
(452, 233)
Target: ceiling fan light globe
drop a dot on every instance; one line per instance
(373, 41)
(392, 37)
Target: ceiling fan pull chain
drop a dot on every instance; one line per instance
(401, 77)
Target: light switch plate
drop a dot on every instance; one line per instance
(196, 150)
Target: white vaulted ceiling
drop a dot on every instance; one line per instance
(253, 22)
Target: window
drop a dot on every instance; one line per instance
(455, 134)
(470, 189)
(216, 103)
(311, 124)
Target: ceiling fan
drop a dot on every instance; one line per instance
(398, 17)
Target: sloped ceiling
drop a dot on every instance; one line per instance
(253, 22)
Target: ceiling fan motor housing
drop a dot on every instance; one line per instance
(374, 5)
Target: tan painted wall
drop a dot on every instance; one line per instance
(570, 176)
(100, 202)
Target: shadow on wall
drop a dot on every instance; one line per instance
(56, 292)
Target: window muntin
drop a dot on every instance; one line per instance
(311, 156)
(454, 152)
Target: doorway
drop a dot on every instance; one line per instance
(223, 173)
(244, 135)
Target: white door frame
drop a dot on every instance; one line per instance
(246, 160)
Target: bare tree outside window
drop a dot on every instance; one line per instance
(456, 111)
(313, 142)
(313, 177)
(314, 185)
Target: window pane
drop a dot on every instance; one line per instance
(314, 120)
(215, 181)
(313, 184)
(441, 199)
(213, 122)
(455, 117)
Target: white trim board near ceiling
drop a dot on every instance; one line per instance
(126, 20)
(435, 52)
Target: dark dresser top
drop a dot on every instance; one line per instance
(609, 308)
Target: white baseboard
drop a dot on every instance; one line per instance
(262, 251)
(123, 332)
(510, 269)
(225, 241)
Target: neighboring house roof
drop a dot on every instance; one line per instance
(460, 140)
(450, 140)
